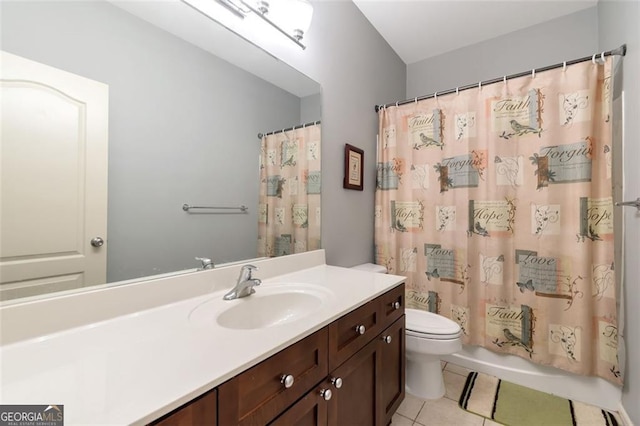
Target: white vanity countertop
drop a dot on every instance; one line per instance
(135, 368)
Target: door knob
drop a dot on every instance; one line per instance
(97, 242)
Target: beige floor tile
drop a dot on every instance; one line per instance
(398, 420)
(445, 412)
(453, 383)
(457, 369)
(410, 407)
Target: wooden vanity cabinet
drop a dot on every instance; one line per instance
(369, 362)
(199, 412)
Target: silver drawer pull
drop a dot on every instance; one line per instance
(326, 394)
(395, 305)
(287, 380)
(386, 339)
(360, 329)
(337, 382)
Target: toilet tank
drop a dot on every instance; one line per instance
(371, 267)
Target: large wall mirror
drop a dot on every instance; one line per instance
(186, 101)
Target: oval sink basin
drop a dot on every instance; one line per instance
(270, 306)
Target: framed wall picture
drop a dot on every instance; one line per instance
(353, 167)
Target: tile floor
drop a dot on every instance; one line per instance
(444, 411)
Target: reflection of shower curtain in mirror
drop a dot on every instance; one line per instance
(496, 203)
(289, 209)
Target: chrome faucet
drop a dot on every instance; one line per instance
(206, 262)
(245, 284)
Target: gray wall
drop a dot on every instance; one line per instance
(357, 69)
(618, 23)
(182, 129)
(310, 108)
(551, 42)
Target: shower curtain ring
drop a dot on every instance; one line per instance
(457, 92)
(479, 85)
(533, 73)
(504, 79)
(593, 59)
(564, 66)
(435, 96)
(416, 100)
(396, 104)
(602, 57)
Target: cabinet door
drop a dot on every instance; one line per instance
(356, 401)
(392, 374)
(258, 396)
(311, 410)
(199, 412)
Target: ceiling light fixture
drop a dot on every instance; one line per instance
(291, 18)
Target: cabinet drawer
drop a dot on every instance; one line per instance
(257, 396)
(392, 305)
(353, 331)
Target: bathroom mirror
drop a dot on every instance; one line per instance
(186, 100)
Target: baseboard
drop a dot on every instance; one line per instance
(624, 416)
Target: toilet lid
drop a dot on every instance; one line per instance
(430, 324)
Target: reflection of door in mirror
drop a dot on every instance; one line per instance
(53, 154)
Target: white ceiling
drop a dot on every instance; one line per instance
(420, 29)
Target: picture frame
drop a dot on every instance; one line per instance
(353, 168)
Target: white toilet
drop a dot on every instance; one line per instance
(428, 337)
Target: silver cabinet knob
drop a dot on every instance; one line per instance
(97, 242)
(395, 305)
(326, 394)
(386, 339)
(360, 329)
(287, 380)
(337, 382)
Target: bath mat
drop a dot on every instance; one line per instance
(516, 405)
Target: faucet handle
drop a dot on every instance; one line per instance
(249, 269)
(206, 262)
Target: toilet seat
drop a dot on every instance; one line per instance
(427, 325)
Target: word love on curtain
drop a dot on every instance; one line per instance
(290, 183)
(496, 203)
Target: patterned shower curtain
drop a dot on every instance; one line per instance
(290, 182)
(496, 203)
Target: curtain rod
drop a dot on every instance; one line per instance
(622, 51)
(299, 126)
